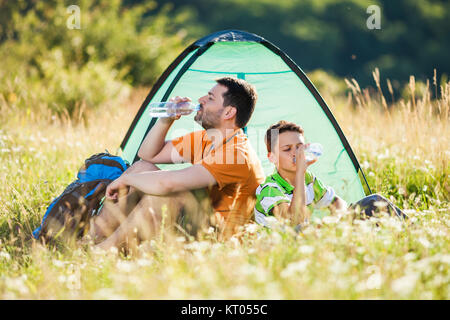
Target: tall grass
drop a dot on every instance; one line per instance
(402, 145)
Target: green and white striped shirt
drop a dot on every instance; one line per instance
(276, 190)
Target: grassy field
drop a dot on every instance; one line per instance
(403, 146)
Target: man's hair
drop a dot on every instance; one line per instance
(278, 128)
(241, 95)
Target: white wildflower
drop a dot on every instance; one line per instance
(251, 228)
(125, 266)
(353, 261)
(445, 258)
(394, 223)
(294, 267)
(410, 256)
(144, 262)
(240, 292)
(234, 253)
(374, 281)
(424, 242)
(405, 284)
(273, 291)
(330, 220)
(5, 255)
(360, 250)
(73, 282)
(58, 263)
(361, 286)
(180, 239)
(17, 284)
(260, 275)
(107, 294)
(114, 250)
(200, 246)
(338, 267)
(305, 249)
(272, 220)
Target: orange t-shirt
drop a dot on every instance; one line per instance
(234, 165)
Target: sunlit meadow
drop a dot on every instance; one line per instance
(402, 144)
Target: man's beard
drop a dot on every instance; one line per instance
(208, 120)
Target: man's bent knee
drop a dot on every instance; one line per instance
(141, 166)
(186, 210)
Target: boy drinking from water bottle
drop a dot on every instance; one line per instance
(292, 192)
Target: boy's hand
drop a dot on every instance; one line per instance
(300, 159)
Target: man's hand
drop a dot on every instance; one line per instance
(176, 99)
(112, 191)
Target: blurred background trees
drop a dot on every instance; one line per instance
(44, 64)
(124, 43)
(333, 35)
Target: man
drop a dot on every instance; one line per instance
(292, 191)
(222, 161)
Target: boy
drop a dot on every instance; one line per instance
(292, 191)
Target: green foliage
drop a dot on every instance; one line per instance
(333, 35)
(327, 82)
(48, 65)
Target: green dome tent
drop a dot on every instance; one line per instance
(284, 92)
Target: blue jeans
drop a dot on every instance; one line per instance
(368, 207)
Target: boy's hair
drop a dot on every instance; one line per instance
(277, 128)
(241, 95)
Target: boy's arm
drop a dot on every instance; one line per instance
(296, 212)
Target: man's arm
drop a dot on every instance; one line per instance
(167, 154)
(155, 149)
(163, 182)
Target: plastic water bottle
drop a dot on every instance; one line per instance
(172, 109)
(312, 152)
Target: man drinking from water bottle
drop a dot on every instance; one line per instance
(223, 163)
